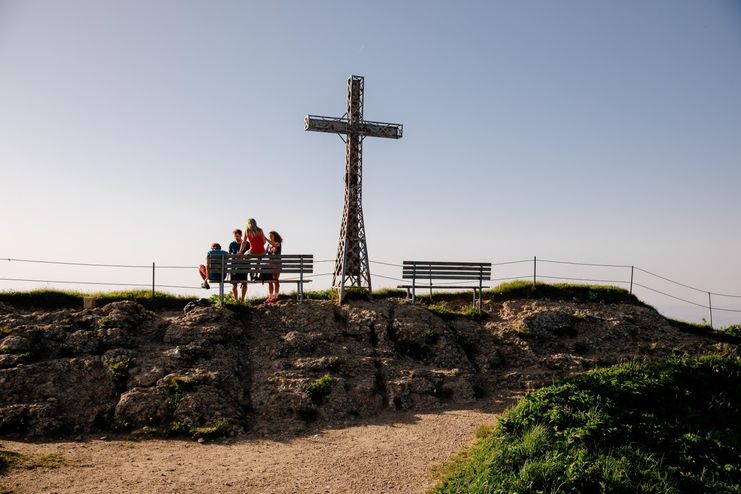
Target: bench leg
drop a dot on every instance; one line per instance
(477, 301)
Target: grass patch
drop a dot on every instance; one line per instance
(690, 327)
(390, 293)
(44, 299)
(333, 364)
(329, 294)
(732, 331)
(318, 389)
(562, 291)
(11, 459)
(214, 430)
(667, 427)
(523, 330)
(177, 385)
(57, 299)
(445, 312)
(160, 301)
(118, 370)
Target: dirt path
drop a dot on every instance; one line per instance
(393, 453)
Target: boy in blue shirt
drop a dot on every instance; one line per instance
(234, 249)
(207, 276)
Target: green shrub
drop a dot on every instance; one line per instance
(320, 388)
(732, 331)
(668, 427)
(177, 385)
(118, 370)
(333, 363)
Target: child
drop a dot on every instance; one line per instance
(215, 273)
(234, 249)
(275, 247)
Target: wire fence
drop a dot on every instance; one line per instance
(534, 269)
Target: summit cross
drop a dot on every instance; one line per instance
(351, 263)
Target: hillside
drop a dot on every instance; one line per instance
(289, 368)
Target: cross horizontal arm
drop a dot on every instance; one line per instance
(327, 124)
(342, 126)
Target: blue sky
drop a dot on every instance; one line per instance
(139, 131)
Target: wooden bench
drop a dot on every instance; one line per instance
(252, 266)
(473, 273)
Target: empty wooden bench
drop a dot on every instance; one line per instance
(423, 273)
(297, 266)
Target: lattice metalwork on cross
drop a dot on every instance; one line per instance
(351, 264)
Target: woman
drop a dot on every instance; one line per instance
(253, 243)
(254, 239)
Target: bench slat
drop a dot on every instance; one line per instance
(445, 270)
(448, 277)
(444, 263)
(462, 287)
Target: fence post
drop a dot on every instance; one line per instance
(631, 280)
(152, 280)
(535, 269)
(710, 306)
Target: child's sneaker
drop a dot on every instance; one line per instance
(205, 285)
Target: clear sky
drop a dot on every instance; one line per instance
(137, 131)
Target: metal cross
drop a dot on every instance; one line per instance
(351, 263)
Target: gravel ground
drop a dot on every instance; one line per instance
(397, 452)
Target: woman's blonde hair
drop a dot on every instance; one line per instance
(251, 229)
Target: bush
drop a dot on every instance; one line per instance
(319, 388)
(669, 427)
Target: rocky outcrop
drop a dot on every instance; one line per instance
(278, 368)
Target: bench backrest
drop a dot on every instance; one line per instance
(287, 263)
(436, 270)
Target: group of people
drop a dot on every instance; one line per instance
(252, 243)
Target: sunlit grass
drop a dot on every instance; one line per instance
(58, 299)
(666, 427)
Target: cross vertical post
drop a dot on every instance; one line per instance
(351, 263)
